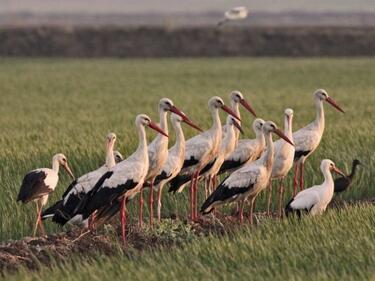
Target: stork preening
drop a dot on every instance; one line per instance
(158, 153)
(201, 150)
(247, 150)
(284, 155)
(342, 183)
(308, 138)
(234, 14)
(314, 200)
(124, 181)
(248, 181)
(38, 184)
(66, 210)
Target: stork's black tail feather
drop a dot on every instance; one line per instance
(51, 211)
(177, 181)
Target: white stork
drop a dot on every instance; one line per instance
(228, 144)
(314, 200)
(158, 152)
(173, 165)
(66, 210)
(124, 181)
(308, 138)
(247, 150)
(201, 150)
(284, 155)
(236, 98)
(236, 13)
(248, 181)
(38, 184)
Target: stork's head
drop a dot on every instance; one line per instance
(321, 95)
(289, 114)
(62, 160)
(111, 139)
(237, 97)
(258, 125)
(328, 165)
(270, 127)
(216, 103)
(144, 120)
(118, 156)
(231, 121)
(166, 104)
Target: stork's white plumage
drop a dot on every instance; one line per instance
(173, 165)
(125, 180)
(284, 155)
(66, 210)
(315, 199)
(247, 181)
(308, 138)
(236, 13)
(158, 152)
(228, 144)
(38, 184)
(236, 98)
(247, 150)
(201, 150)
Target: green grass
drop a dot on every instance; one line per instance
(49, 106)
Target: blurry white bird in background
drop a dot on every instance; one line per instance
(236, 13)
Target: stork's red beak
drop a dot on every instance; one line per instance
(338, 171)
(230, 111)
(334, 104)
(155, 127)
(68, 170)
(246, 105)
(283, 136)
(186, 119)
(238, 126)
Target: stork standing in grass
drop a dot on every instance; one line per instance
(66, 210)
(247, 150)
(228, 143)
(314, 200)
(173, 165)
(284, 155)
(201, 150)
(308, 138)
(234, 14)
(38, 184)
(248, 181)
(124, 181)
(158, 153)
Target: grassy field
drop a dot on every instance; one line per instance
(49, 106)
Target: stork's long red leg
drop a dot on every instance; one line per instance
(196, 195)
(269, 198)
(151, 202)
(281, 198)
(295, 179)
(301, 180)
(123, 220)
(37, 219)
(141, 208)
(191, 193)
(159, 202)
(251, 211)
(41, 226)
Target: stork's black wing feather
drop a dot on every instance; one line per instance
(70, 187)
(33, 186)
(299, 153)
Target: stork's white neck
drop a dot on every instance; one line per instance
(228, 139)
(163, 123)
(319, 120)
(142, 146)
(55, 165)
(216, 125)
(236, 109)
(180, 138)
(328, 179)
(110, 157)
(268, 157)
(288, 127)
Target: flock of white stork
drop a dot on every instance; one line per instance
(251, 165)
